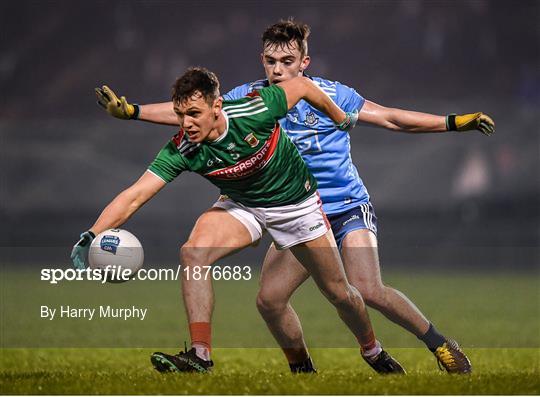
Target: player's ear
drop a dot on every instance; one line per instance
(305, 63)
(218, 104)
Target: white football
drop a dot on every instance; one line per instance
(115, 250)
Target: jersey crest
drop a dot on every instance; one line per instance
(252, 140)
(311, 119)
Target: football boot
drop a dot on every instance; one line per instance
(451, 358)
(186, 361)
(384, 363)
(304, 367)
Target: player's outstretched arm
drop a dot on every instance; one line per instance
(303, 88)
(410, 121)
(128, 202)
(159, 113)
(116, 213)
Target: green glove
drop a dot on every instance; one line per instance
(79, 253)
(119, 108)
(470, 122)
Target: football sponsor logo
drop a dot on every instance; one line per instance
(109, 243)
(193, 364)
(253, 163)
(352, 218)
(252, 140)
(293, 115)
(211, 162)
(318, 225)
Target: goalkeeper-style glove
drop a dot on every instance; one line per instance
(79, 253)
(119, 108)
(472, 121)
(350, 121)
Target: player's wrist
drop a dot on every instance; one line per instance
(86, 238)
(136, 110)
(451, 122)
(349, 122)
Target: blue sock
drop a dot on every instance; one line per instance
(432, 338)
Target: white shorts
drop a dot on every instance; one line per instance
(288, 225)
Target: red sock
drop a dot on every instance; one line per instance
(367, 341)
(201, 334)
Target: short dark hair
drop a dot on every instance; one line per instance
(196, 79)
(285, 32)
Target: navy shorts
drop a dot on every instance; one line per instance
(361, 217)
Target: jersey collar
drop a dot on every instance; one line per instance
(266, 83)
(222, 136)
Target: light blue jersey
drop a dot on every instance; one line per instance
(325, 149)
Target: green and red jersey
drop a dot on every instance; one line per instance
(253, 161)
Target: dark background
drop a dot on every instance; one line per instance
(63, 159)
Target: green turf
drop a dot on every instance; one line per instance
(261, 371)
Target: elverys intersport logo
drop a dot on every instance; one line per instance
(253, 163)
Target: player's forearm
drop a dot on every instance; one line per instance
(159, 113)
(128, 202)
(117, 212)
(400, 120)
(410, 121)
(303, 88)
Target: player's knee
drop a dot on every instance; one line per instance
(373, 294)
(341, 296)
(192, 255)
(268, 304)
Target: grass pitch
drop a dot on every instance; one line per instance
(261, 371)
(494, 316)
